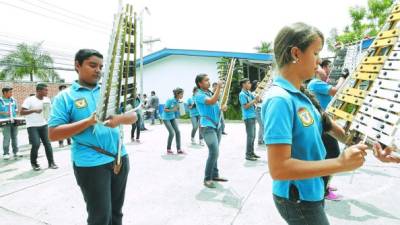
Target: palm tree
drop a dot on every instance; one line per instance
(265, 47)
(28, 60)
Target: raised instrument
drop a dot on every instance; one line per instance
(264, 84)
(226, 76)
(118, 89)
(368, 104)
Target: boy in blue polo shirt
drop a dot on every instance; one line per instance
(210, 122)
(8, 107)
(247, 102)
(94, 145)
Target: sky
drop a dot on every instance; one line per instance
(65, 26)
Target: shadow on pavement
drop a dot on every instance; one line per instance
(342, 210)
(173, 157)
(255, 163)
(27, 175)
(226, 196)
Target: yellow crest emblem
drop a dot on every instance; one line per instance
(80, 103)
(305, 117)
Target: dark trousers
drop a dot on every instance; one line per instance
(173, 129)
(61, 142)
(103, 192)
(301, 212)
(332, 151)
(37, 134)
(136, 127)
(251, 136)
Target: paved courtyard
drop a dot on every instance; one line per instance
(168, 190)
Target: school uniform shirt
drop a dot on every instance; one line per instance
(290, 118)
(170, 104)
(321, 90)
(244, 98)
(193, 111)
(5, 107)
(210, 115)
(37, 119)
(77, 103)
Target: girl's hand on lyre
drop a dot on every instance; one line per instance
(385, 155)
(112, 121)
(224, 108)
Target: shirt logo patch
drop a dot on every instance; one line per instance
(305, 117)
(80, 103)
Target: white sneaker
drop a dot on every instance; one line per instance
(17, 155)
(6, 157)
(201, 142)
(193, 141)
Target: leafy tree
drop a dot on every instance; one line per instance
(28, 60)
(264, 47)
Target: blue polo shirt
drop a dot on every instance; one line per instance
(77, 103)
(170, 104)
(193, 111)
(210, 115)
(244, 98)
(321, 90)
(290, 118)
(5, 107)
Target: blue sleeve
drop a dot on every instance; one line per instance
(243, 99)
(59, 112)
(277, 115)
(201, 98)
(168, 104)
(189, 101)
(320, 87)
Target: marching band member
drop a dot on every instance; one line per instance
(195, 118)
(293, 129)
(94, 146)
(36, 109)
(248, 105)
(8, 109)
(210, 122)
(169, 116)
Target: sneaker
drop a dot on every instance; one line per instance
(193, 141)
(53, 166)
(36, 167)
(209, 184)
(17, 155)
(256, 156)
(220, 179)
(169, 152)
(332, 196)
(260, 142)
(180, 151)
(201, 143)
(224, 133)
(251, 158)
(138, 141)
(332, 188)
(61, 145)
(6, 156)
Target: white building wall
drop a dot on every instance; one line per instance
(170, 72)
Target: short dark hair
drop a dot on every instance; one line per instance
(84, 54)
(153, 92)
(199, 78)
(243, 81)
(6, 89)
(62, 86)
(325, 62)
(177, 91)
(195, 89)
(41, 86)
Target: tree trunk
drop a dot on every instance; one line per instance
(31, 76)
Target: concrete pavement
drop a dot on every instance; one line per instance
(168, 190)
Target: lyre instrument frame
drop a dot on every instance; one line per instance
(367, 105)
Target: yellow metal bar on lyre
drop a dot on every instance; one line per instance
(356, 92)
(341, 114)
(374, 60)
(351, 99)
(369, 68)
(364, 76)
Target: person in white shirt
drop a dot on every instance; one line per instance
(36, 110)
